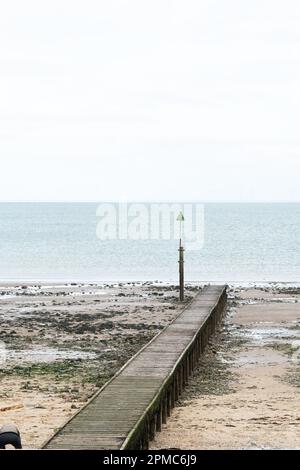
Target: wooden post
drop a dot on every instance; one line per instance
(200, 346)
(187, 370)
(164, 409)
(169, 406)
(202, 340)
(146, 441)
(159, 419)
(185, 366)
(145, 438)
(176, 385)
(180, 380)
(173, 392)
(152, 427)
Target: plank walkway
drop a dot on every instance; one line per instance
(131, 407)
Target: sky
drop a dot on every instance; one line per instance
(161, 100)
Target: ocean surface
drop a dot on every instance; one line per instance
(54, 242)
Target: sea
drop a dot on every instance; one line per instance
(62, 242)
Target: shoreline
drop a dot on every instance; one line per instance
(17, 283)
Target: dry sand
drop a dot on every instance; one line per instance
(245, 392)
(63, 342)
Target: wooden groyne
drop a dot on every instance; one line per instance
(133, 405)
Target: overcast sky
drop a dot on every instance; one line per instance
(150, 100)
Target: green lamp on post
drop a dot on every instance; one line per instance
(180, 218)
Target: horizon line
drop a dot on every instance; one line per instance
(132, 201)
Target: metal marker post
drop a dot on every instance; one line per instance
(180, 218)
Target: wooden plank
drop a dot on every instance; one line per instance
(140, 393)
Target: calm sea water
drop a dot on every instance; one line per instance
(58, 242)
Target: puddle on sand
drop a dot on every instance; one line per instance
(264, 333)
(259, 356)
(264, 301)
(260, 334)
(46, 355)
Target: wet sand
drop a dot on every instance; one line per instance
(59, 344)
(63, 342)
(245, 392)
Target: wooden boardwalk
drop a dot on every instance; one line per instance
(131, 407)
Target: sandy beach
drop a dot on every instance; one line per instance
(63, 342)
(60, 343)
(245, 392)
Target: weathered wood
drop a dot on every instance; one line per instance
(164, 410)
(152, 427)
(131, 407)
(173, 392)
(176, 385)
(159, 419)
(169, 405)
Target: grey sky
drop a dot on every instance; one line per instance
(160, 100)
